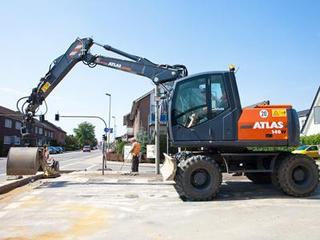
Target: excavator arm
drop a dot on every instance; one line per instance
(26, 160)
(80, 51)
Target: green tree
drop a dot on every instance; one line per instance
(85, 134)
(142, 138)
(71, 143)
(119, 145)
(310, 140)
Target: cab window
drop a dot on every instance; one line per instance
(219, 99)
(190, 103)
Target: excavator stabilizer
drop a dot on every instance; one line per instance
(169, 168)
(23, 160)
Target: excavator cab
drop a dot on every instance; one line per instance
(204, 110)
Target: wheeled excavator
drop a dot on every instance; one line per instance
(206, 122)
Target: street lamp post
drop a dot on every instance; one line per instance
(114, 127)
(109, 119)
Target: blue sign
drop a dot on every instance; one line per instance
(110, 130)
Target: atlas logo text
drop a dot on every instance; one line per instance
(115, 65)
(268, 125)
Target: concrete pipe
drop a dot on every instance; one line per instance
(23, 160)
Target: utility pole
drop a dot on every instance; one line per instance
(157, 129)
(108, 140)
(114, 128)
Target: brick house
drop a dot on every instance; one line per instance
(142, 116)
(10, 124)
(58, 133)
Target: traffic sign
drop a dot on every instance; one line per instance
(110, 130)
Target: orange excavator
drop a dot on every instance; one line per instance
(206, 122)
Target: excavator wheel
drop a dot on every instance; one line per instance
(298, 175)
(274, 175)
(259, 178)
(198, 178)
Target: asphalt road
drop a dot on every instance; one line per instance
(87, 205)
(78, 160)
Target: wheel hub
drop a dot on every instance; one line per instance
(300, 175)
(200, 178)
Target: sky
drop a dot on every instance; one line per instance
(274, 44)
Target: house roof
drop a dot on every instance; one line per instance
(18, 116)
(312, 105)
(303, 113)
(10, 113)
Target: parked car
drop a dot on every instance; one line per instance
(86, 148)
(52, 150)
(310, 150)
(60, 149)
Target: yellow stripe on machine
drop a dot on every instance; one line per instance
(45, 87)
(280, 112)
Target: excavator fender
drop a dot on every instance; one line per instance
(23, 160)
(169, 168)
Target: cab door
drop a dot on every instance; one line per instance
(203, 108)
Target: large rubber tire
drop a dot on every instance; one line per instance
(298, 175)
(259, 178)
(274, 175)
(198, 178)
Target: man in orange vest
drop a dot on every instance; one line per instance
(135, 151)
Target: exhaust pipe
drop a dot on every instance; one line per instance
(23, 160)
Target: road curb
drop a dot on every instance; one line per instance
(9, 186)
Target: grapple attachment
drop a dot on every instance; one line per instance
(169, 168)
(23, 160)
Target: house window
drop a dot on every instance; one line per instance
(8, 123)
(17, 140)
(9, 140)
(40, 131)
(18, 125)
(317, 115)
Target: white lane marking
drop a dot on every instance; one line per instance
(2, 174)
(69, 164)
(92, 166)
(13, 205)
(2, 214)
(26, 198)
